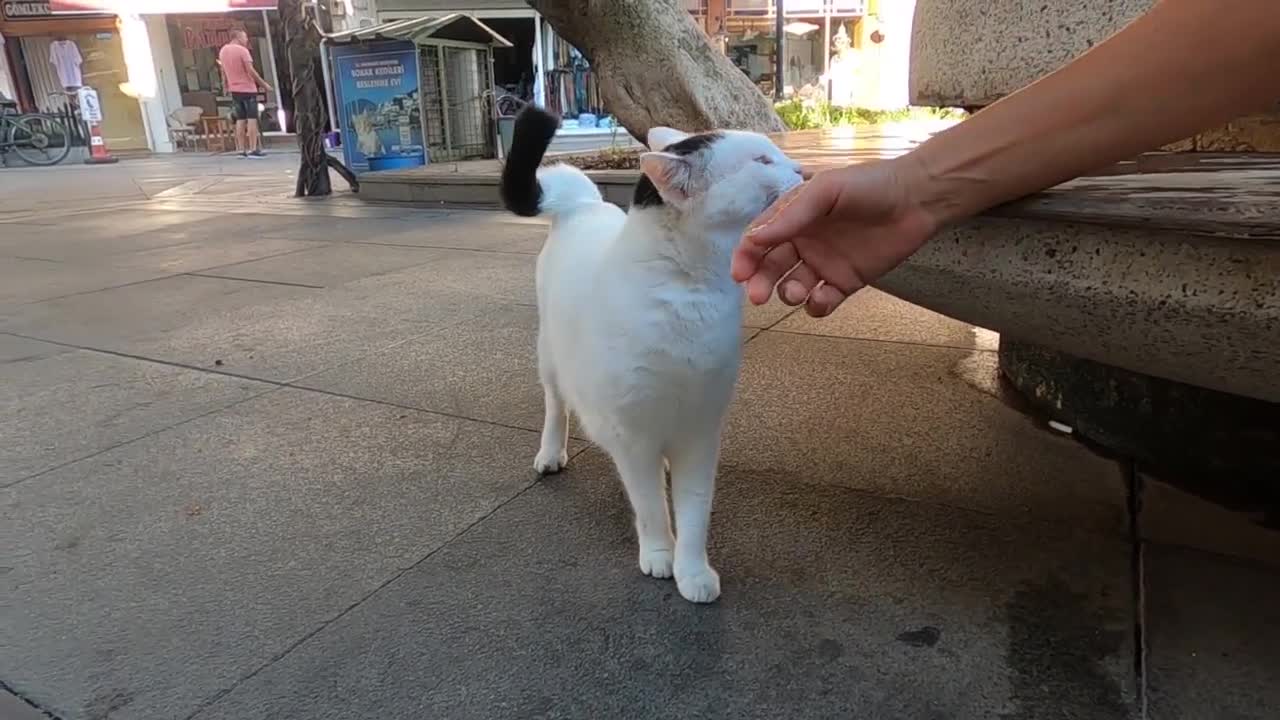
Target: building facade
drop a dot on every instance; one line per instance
(159, 55)
(851, 52)
(46, 56)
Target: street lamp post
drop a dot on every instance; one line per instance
(779, 51)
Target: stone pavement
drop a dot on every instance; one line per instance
(270, 458)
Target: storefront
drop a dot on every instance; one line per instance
(540, 67)
(195, 40)
(820, 43)
(169, 52)
(49, 55)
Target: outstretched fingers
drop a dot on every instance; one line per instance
(787, 218)
(773, 266)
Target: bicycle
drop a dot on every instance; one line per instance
(37, 138)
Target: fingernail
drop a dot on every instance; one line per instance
(756, 229)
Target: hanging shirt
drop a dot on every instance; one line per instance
(66, 60)
(236, 60)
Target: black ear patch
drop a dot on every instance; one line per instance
(694, 143)
(646, 195)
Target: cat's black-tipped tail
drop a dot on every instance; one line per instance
(526, 191)
(521, 192)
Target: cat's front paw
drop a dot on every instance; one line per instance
(701, 585)
(549, 462)
(656, 562)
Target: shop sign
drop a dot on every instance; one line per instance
(208, 32)
(156, 7)
(90, 106)
(19, 10)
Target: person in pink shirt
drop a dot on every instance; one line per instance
(242, 81)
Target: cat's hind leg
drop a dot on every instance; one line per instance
(553, 452)
(642, 476)
(693, 479)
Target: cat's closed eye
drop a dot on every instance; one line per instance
(764, 160)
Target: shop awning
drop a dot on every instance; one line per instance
(454, 26)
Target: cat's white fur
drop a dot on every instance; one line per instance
(639, 331)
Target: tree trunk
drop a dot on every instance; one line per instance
(302, 38)
(655, 66)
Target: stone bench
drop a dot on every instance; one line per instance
(1169, 265)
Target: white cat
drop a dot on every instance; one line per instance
(639, 321)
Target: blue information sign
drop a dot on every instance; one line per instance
(381, 118)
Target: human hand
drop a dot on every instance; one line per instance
(835, 234)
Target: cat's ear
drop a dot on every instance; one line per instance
(670, 175)
(660, 137)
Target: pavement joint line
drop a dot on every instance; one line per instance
(98, 290)
(905, 343)
(256, 259)
(772, 325)
(38, 259)
(217, 696)
(410, 246)
(132, 440)
(5, 687)
(206, 274)
(275, 385)
(62, 213)
(1136, 491)
(442, 247)
(195, 273)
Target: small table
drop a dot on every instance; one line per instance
(218, 131)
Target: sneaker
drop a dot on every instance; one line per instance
(257, 154)
(244, 155)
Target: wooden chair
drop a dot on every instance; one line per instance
(219, 133)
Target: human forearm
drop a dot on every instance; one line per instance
(1183, 67)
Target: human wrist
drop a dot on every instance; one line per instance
(942, 194)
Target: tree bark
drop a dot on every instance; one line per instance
(302, 39)
(655, 66)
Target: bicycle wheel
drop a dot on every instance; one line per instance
(39, 139)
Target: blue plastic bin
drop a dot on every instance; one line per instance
(397, 162)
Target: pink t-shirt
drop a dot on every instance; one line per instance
(236, 61)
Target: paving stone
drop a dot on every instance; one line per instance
(874, 315)
(1173, 516)
(836, 604)
(114, 223)
(289, 338)
(329, 265)
(27, 280)
(20, 349)
(485, 369)
(13, 708)
(124, 318)
(145, 580)
(924, 423)
(767, 315)
(508, 277)
(215, 255)
(1212, 635)
(56, 407)
(473, 231)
